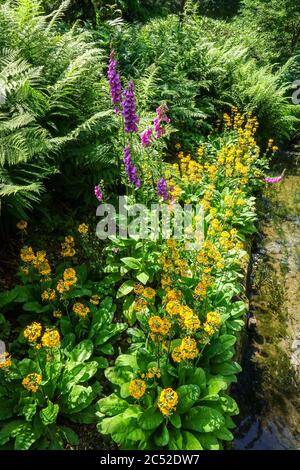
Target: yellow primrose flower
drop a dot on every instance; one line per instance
(51, 338)
(167, 401)
(95, 299)
(138, 288)
(27, 254)
(80, 309)
(149, 293)
(5, 360)
(137, 388)
(22, 225)
(32, 332)
(83, 229)
(57, 313)
(32, 382)
(159, 325)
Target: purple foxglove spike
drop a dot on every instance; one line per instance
(160, 118)
(130, 169)
(131, 119)
(114, 81)
(98, 193)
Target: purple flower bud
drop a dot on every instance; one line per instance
(114, 81)
(145, 137)
(98, 193)
(131, 170)
(131, 119)
(162, 189)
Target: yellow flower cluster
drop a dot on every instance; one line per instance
(138, 288)
(159, 326)
(83, 229)
(95, 299)
(57, 313)
(32, 382)
(137, 388)
(69, 279)
(167, 401)
(191, 171)
(173, 263)
(80, 309)
(27, 254)
(200, 290)
(148, 293)
(211, 326)
(67, 248)
(5, 360)
(187, 350)
(51, 338)
(49, 294)
(153, 372)
(32, 332)
(210, 256)
(22, 225)
(38, 260)
(140, 305)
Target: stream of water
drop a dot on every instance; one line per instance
(267, 390)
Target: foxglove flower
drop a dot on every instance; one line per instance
(98, 193)
(161, 117)
(114, 81)
(131, 119)
(131, 170)
(276, 179)
(162, 189)
(146, 136)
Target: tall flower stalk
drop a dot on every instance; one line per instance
(114, 82)
(129, 114)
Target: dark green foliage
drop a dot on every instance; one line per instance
(55, 107)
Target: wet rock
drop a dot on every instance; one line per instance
(274, 248)
(296, 345)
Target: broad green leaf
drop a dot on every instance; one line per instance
(132, 263)
(196, 377)
(127, 360)
(70, 436)
(125, 289)
(226, 368)
(129, 312)
(111, 405)
(10, 430)
(224, 434)
(49, 414)
(143, 277)
(216, 384)
(106, 333)
(25, 438)
(82, 352)
(161, 436)
(77, 374)
(175, 420)
(203, 419)
(107, 349)
(208, 441)
(151, 419)
(190, 441)
(187, 397)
